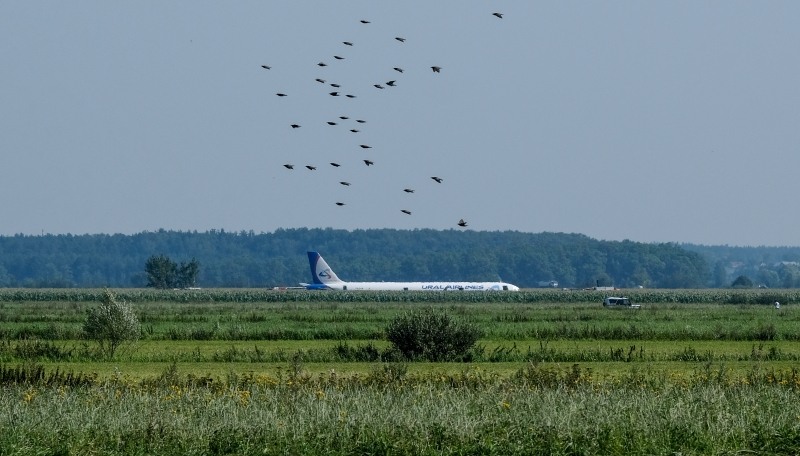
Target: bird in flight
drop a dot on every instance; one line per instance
(311, 168)
(462, 223)
(405, 211)
(321, 81)
(331, 123)
(437, 179)
(343, 117)
(338, 57)
(339, 204)
(322, 64)
(347, 43)
(334, 94)
(345, 183)
(398, 69)
(266, 67)
(350, 96)
(335, 85)
(335, 164)
(378, 86)
(500, 15)
(354, 130)
(280, 94)
(436, 69)
(400, 39)
(361, 121)
(288, 166)
(369, 162)
(295, 126)
(364, 21)
(391, 83)
(364, 146)
(408, 190)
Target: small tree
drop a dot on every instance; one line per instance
(433, 336)
(163, 273)
(187, 274)
(742, 282)
(111, 324)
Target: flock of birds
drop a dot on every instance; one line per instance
(337, 92)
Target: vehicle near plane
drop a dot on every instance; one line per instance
(621, 302)
(325, 279)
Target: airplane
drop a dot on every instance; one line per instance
(325, 279)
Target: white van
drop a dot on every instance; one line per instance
(613, 301)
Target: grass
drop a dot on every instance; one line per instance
(538, 410)
(241, 375)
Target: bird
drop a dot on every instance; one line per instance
(280, 94)
(266, 67)
(354, 130)
(408, 190)
(335, 85)
(288, 166)
(311, 168)
(350, 96)
(361, 121)
(436, 69)
(321, 81)
(334, 94)
(500, 15)
(347, 43)
(369, 162)
(462, 223)
(437, 179)
(322, 64)
(343, 117)
(331, 123)
(405, 211)
(345, 183)
(335, 164)
(398, 69)
(400, 39)
(295, 126)
(391, 83)
(339, 204)
(337, 57)
(364, 21)
(378, 86)
(364, 146)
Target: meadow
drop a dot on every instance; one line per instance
(268, 372)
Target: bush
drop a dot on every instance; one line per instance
(432, 336)
(111, 324)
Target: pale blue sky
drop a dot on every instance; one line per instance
(662, 121)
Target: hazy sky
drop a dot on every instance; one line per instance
(658, 121)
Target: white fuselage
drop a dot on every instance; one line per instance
(423, 286)
(324, 278)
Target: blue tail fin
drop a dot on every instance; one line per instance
(321, 273)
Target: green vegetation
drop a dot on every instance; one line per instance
(163, 273)
(432, 336)
(111, 324)
(264, 372)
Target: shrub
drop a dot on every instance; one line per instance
(433, 336)
(111, 324)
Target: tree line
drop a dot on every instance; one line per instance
(248, 259)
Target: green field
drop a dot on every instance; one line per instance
(262, 372)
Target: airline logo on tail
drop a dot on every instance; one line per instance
(320, 270)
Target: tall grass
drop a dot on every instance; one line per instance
(539, 410)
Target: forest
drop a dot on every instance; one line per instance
(248, 259)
